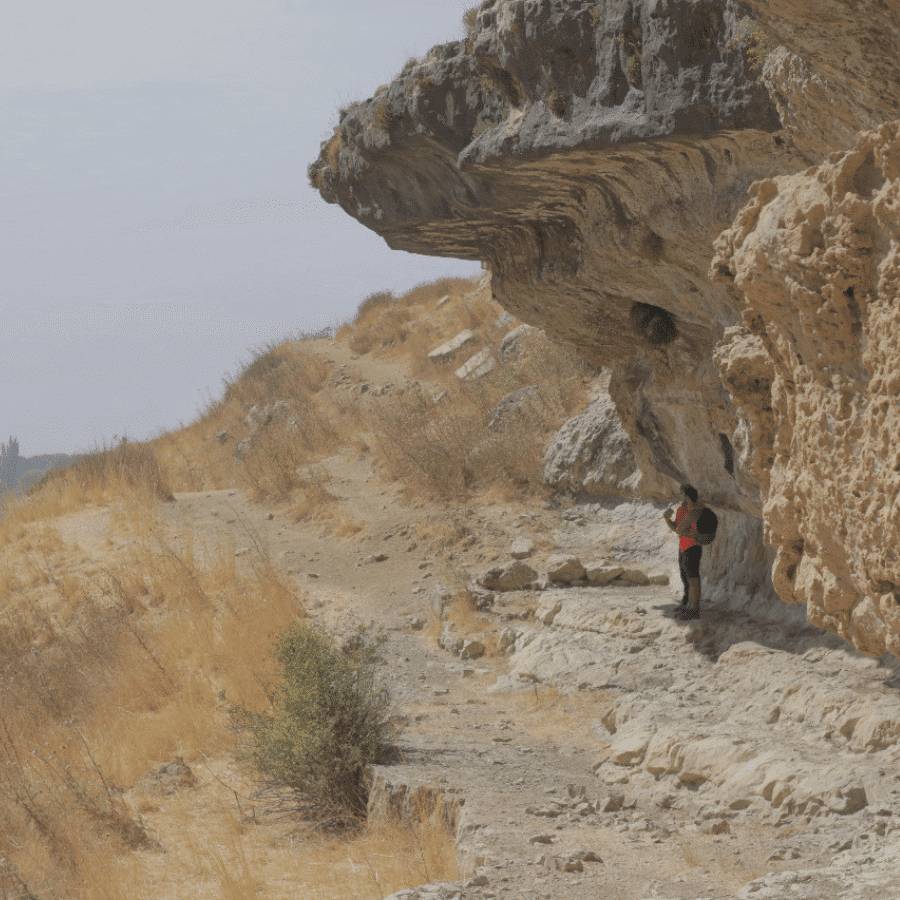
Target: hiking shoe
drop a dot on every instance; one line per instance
(689, 612)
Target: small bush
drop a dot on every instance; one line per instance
(753, 42)
(329, 720)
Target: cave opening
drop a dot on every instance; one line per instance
(654, 324)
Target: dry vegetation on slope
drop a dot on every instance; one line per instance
(123, 645)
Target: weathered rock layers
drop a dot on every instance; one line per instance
(816, 370)
(591, 153)
(838, 69)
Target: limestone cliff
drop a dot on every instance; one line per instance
(591, 153)
(837, 70)
(816, 370)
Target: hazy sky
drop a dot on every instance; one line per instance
(155, 218)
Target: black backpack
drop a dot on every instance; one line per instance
(707, 523)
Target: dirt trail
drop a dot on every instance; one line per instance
(543, 812)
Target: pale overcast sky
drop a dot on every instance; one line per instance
(155, 218)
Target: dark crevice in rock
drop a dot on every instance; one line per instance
(727, 453)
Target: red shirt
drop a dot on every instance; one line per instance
(685, 541)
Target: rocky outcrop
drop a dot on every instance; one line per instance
(590, 154)
(591, 453)
(839, 70)
(815, 372)
(643, 124)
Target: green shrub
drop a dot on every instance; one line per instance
(329, 720)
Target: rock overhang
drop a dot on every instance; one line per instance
(591, 154)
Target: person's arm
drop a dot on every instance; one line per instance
(667, 515)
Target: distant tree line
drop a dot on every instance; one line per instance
(18, 472)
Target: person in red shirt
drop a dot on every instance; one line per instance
(689, 551)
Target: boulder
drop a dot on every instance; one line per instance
(511, 345)
(564, 569)
(512, 576)
(601, 572)
(547, 611)
(447, 350)
(477, 366)
(630, 743)
(510, 404)
(522, 548)
(169, 777)
(633, 577)
(592, 453)
(472, 649)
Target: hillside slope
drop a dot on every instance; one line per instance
(563, 739)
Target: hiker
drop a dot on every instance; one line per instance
(689, 551)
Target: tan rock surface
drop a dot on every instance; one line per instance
(853, 46)
(814, 372)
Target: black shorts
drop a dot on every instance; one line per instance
(689, 561)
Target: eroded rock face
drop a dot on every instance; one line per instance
(589, 153)
(815, 371)
(850, 67)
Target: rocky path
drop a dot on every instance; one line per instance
(608, 751)
(611, 751)
(694, 758)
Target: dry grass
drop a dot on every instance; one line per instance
(109, 669)
(407, 324)
(445, 449)
(133, 675)
(125, 470)
(290, 369)
(247, 859)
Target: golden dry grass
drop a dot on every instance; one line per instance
(108, 669)
(406, 326)
(102, 677)
(445, 448)
(107, 672)
(224, 851)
